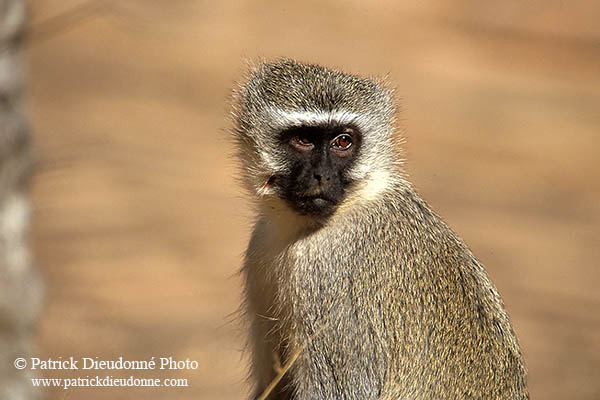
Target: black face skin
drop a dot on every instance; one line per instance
(321, 157)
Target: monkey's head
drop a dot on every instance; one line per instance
(312, 137)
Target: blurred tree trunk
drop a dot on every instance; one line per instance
(20, 287)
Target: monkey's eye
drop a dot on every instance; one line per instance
(302, 143)
(342, 142)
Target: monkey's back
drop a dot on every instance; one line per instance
(457, 340)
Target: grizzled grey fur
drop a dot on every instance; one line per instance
(382, 300)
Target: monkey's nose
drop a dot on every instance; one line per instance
(320, 178)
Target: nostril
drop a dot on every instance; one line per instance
(318, 177)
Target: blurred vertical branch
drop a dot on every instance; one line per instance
(20, 285)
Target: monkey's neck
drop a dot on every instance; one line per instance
(290, 224)
(285, 223)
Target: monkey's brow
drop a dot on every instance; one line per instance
(320, 130)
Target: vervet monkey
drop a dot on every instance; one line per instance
(351, 280)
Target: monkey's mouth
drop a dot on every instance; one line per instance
(320, 202)
(318, 206)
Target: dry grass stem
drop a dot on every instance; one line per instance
(288, 365)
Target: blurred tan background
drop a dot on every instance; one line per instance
(140, 227)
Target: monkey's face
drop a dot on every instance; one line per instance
(314, 140)
(319, 158)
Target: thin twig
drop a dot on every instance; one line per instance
(69, 19)
(65, 20)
